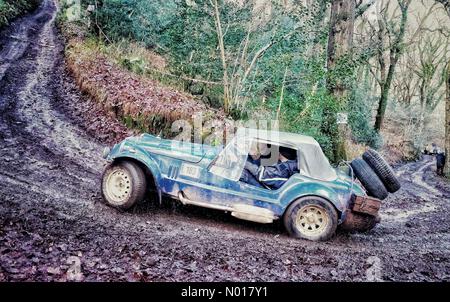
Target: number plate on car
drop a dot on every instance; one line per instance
(190, 171)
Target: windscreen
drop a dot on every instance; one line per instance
(230, 162)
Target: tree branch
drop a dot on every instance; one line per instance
(362, 8)
(446, 4)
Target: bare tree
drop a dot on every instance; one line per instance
(419, 72)
(226, 87)
(395, 45)
(362, 6)
(405, 83)
(446, 4)
(239, 65)
(432, 53)
(447, 122)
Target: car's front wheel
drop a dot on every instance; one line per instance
(123, 184)
(311, 218)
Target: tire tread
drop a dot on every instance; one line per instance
(382, 169)
(369, 179)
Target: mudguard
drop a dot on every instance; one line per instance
(298, 190)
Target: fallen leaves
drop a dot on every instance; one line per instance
(141, 102)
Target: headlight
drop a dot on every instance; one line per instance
(106, 152)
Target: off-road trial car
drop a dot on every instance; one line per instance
(311, 203)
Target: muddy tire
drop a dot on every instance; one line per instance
(369, 179)
(382, 169)
(359, 222)
(311, 218)
(123, 185)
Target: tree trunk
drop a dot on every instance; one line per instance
(226, 85)
(340, 42)
(395, 52)
(384, 96)
(446, 4)
(447, 124)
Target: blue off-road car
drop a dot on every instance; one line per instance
(312, 203)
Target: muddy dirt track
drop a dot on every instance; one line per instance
(53, 225)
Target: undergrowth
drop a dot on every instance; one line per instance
(11, 9)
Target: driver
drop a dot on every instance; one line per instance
(254, 158)
(271, 177)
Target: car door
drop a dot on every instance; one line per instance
(213, 182)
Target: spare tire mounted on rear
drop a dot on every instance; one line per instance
(369, 179)
(382, 169)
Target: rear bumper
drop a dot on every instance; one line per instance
(365, 205)
(362, 213)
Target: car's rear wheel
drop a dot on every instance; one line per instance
(123, 184)
(311, 218)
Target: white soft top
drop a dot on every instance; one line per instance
(311, 162)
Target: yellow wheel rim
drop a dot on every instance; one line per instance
(312, 220)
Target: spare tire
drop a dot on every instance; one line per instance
(369, 179)
(382, 169)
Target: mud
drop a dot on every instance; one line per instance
(53, 225)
